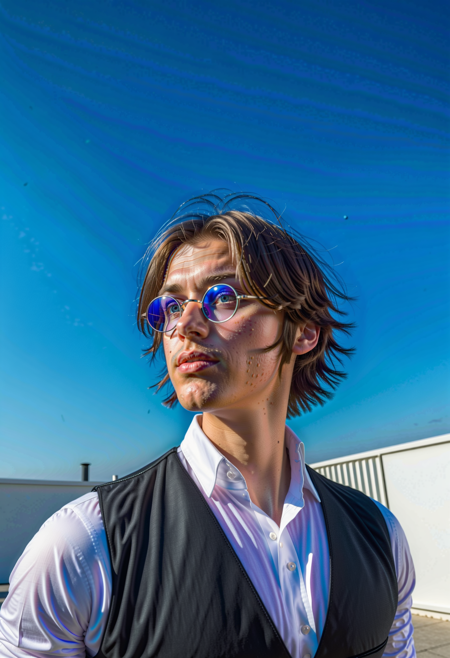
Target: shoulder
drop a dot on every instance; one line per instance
(358, 509)
(60, 583)
(396, 534)
(357, 503)
(392, 523)
(125, 484)
(78, 522)
(74, 530)
(348, 496)
(399, 543)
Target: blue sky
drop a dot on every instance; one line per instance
(113, 113)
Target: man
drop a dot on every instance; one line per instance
(229, 545)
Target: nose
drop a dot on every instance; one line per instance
(192, 323)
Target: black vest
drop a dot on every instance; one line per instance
(180, 591)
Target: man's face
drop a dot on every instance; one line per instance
(238, 372)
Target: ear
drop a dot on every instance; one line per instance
(306, 338)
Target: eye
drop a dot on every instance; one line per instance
(172, 308)
(225, 298)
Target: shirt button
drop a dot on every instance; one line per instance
(273, 536)
(305, 630)
(292, 567)
(307, 655)
(231, 475)
(281, 544)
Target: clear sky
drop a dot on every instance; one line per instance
(113, 113)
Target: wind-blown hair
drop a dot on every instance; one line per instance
(270, 262)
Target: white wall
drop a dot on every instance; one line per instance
(413, 480)
(418, 491)
(24, 506)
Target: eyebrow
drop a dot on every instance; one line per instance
(204, 283)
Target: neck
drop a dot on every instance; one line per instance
(254, 441)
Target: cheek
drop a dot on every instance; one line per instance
(246, 342)
(168, 350)
(256, 332)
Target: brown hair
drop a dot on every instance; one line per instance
(270, 262)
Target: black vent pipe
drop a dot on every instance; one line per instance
(85, 472)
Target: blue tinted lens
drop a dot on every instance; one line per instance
(219, 303)
(163, 313)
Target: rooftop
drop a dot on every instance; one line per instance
(431, 637)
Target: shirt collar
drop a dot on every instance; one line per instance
(209, 464)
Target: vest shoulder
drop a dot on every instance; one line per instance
(350, 504)
(142, 471)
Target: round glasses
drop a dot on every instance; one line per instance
(219, 304)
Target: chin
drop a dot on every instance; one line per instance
(198, 395)
(207, 397)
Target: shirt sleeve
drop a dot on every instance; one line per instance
(401, 642)
(60, 588)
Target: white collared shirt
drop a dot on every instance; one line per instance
(60, 588)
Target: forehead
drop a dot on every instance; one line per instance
(191, 263)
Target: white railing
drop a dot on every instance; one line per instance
(365, 474)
